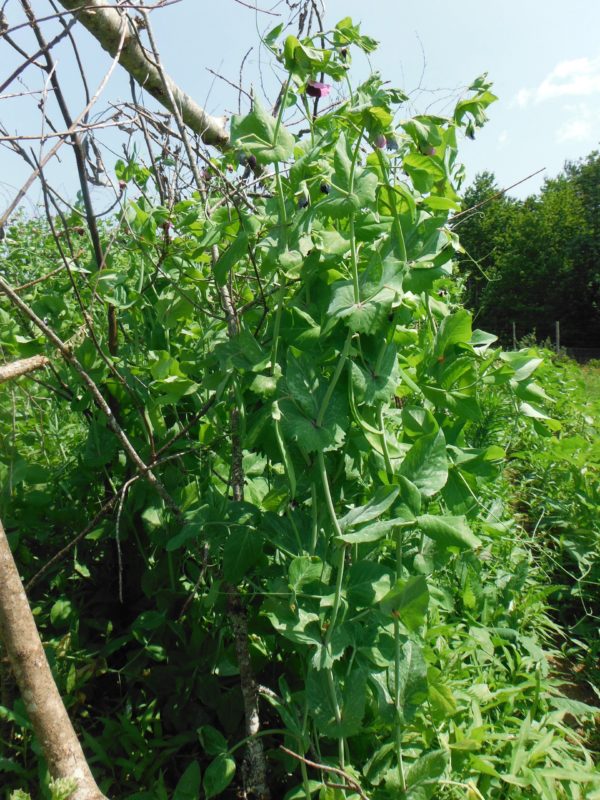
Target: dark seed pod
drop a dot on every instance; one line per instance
(252, 162)
(303, 202)
(325, 188)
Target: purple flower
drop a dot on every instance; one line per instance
(380, 141)
(316, 89)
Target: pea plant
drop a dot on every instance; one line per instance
(325, 576)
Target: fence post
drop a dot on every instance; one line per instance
(557, 337)
(514, 327)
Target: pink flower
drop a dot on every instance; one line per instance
(316, 89)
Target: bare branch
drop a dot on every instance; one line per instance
(22, 367)
(49, 718)
(105, 24)
(352, 782)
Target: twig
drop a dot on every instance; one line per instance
(72, 360)
(231, 83)
(51, 153)
(42, 137)
(494, 196)
(256, 8)
(352, 782)
(68, 547)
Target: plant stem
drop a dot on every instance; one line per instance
(282, 247)
(397, 661)
(399, 243)
(338, 716)
(337, 599)
(281, 110)
(334, 379)
(384, 446)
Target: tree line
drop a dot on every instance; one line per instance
(535, 262)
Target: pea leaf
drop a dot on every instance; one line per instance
(188, 786)
(368, 583)
(408, 600)
(218, 775)
(448, 531)
(242, 550)
(255, 135)
(426, 464)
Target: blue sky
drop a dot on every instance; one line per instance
(542, 55)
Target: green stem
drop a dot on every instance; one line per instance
(281, 109)
(335, 379)
(282, 246)
(338, 716)
(397, 662)
(399, 243)
(384, 445)
(338, 595)
(327, 493)
(315, 519)
(354, 261)
(353, 252)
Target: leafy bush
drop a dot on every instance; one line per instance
(296, 368)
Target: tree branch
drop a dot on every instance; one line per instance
(17, 368)
(105, 25)
(46, 710)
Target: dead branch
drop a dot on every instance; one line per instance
(352, 782)
(10, 371)
(51, 724)
(105, 24)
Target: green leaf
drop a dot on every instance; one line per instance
(299, 626)
(351, 703)
(299, 415)
(454, 328)
(242, 550)
(368, 583)
(188, 786)
(380, 502)
(212, 740)
(60, 613)
(426, 464)
(350, 192)
(304, 569)
(218, 775)
(412, 687)
(426, 772)
(408, 600)
(448, 531)
(376, 382)
(424, 171)
(231, 257)
(254, 134)
(365, 315)
(376, 530)
(271, 37)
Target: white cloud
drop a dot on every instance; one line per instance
(575, 130)
(523, 97)
(578, 77)
(580, 123)
(503, 138)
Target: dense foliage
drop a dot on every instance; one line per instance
(536, 262)
(295, 365)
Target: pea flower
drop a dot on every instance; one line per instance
(317, 89)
